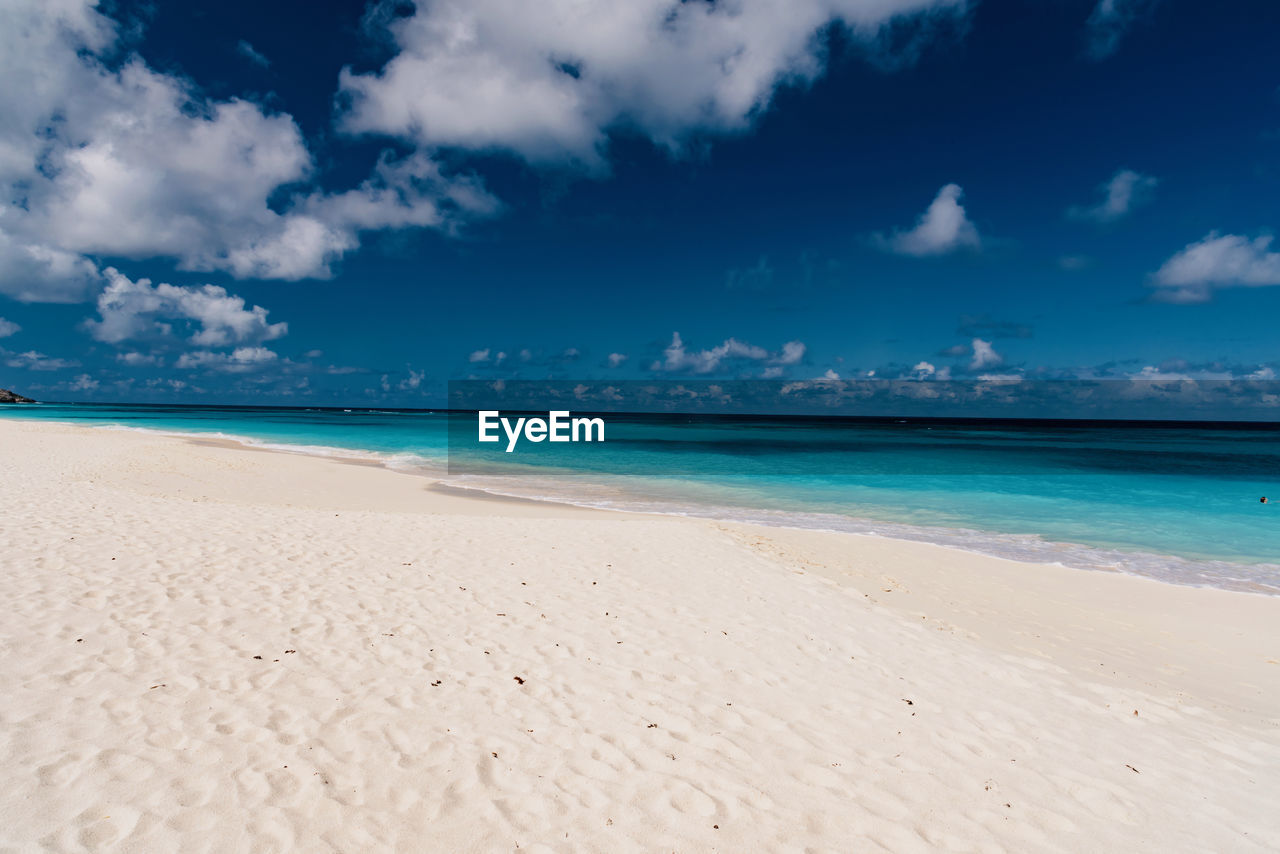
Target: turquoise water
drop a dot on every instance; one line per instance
(1175, 502)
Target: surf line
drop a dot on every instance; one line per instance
(558, 426)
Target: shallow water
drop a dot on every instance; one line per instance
(1175, 502)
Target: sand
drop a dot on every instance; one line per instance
(209, 648)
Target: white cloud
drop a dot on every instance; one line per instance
(1217, 261)
(413, 380)
(1109, 22)
(34, 272)
(547, 80)
(616, 359)
(1126, 190)
(925, 370)
(33, 361)
(829, 374)
(677, 359)
(984, 356)
(8, 327)
(1151, 372)
(138, 360)
(792, 353)
(479, 356)
(942, 228)
(100, 157)
(240, 360)
(136, 309)
(83, 382)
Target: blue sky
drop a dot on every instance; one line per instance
(345, 203)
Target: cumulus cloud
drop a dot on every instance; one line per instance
(927, 371)
(1125, 191)
(138, 360)
(138, 309)
(240, 360)
(616, 359)
(31, 271)
(478, 356)
(941, 229)
(100, 157)
(676, 358)
(1108, 23)
(984, 356)
(1217, 261)
(8, 327)
(547, 81)
(412, 381)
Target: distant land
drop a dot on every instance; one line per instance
(7, 396)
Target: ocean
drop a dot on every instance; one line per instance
(1174, 501)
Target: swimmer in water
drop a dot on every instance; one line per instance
(1263, 499)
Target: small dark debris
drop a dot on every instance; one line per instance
(518, 679)
(908, 702)
(258, 657)
(652, 726)
(495, 755)
(153, 687)
(288, 651)
(79, 640)
(715, 827)
(435, 683)
(1131, 768)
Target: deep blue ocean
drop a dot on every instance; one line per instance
(1174, 501)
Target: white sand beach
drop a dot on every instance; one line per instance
(208, 647)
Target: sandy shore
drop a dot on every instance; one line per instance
(208, 648)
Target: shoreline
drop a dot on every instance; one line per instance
(327, 654)
(1020, 547)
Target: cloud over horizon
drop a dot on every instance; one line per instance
(676, 358)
